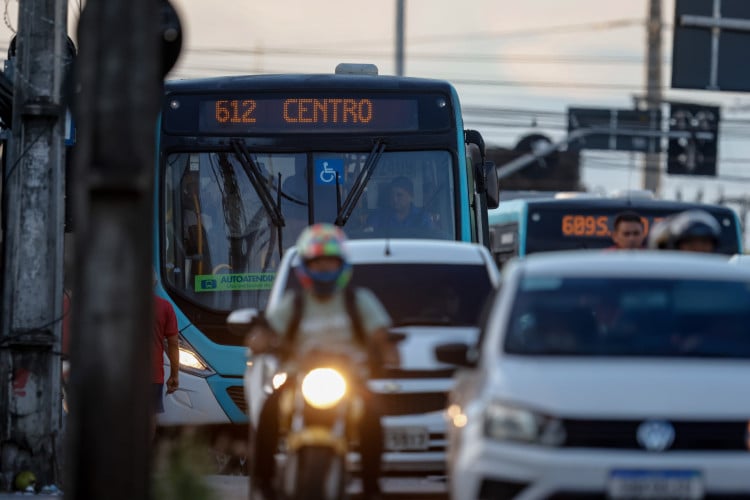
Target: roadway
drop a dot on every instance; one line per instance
(235, 487)
(426, 488)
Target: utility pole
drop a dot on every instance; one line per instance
(652, 163)
(34, 186)
(400, 37)
(119, 74)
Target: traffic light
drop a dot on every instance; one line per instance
(695, 151)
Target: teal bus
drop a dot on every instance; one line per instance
(522, 226)
(245, 163)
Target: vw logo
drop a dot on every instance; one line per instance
(655, 435)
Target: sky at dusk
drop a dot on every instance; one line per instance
(517, 66)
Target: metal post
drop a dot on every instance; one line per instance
(33, 183)
(652, 163)
(119, 77)
(400, 37)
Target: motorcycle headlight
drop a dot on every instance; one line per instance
(323, 388)
(511, 423)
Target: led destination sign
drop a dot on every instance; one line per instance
(313, 114)
(595, 226)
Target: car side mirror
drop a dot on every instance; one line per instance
(239, 321)
(456, 354)
(491, 184)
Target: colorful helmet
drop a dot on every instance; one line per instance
(322, 240)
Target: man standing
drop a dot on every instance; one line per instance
(628, 232)
(165, 328)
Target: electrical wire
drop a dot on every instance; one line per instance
(556, 29)
(569, 59)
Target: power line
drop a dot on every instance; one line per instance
(473, 82)
(572, 59)
(557, 29)
(608, 164)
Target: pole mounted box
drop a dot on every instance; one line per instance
(709, 46)
(616, 129)
(693, 143)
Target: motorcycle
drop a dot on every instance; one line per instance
(319, 411)
(320, 408)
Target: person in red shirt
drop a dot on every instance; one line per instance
(165, 328)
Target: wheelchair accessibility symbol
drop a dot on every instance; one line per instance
(326, 171)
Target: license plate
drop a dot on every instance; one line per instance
(650, 484)
(406, 438)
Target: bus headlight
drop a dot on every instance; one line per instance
(323, 388)
(191, 362)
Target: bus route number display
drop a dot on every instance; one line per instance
(308, 114)
(594, 226)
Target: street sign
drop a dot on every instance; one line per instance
(694, 153)
(709, 46)
(616, 129)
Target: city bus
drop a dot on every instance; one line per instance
(245, 163)
(527, 225)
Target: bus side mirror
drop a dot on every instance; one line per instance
(240, 321)
(492, 184)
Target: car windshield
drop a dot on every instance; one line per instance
(630, 317)
(425, 294)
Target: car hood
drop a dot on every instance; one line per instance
(417, 349)
(633, 388)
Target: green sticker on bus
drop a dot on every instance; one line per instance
(231, 282)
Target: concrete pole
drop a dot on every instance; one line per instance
(400, 37)
(111, 406)
(652, 163)
(33, 248)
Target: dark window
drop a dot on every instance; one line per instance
(426, 294)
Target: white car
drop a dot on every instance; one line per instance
(434, 292)
(607, 375)
(740, 259)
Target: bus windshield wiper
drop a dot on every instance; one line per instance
(259, 183)
(346, 208)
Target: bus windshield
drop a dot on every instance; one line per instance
(574, 227)
(222, 242)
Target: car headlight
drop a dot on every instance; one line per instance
(278, 380)
(191, 362)
(511, 423)
(323, 388)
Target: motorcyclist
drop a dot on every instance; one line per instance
(691, 231)
(324, 273)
